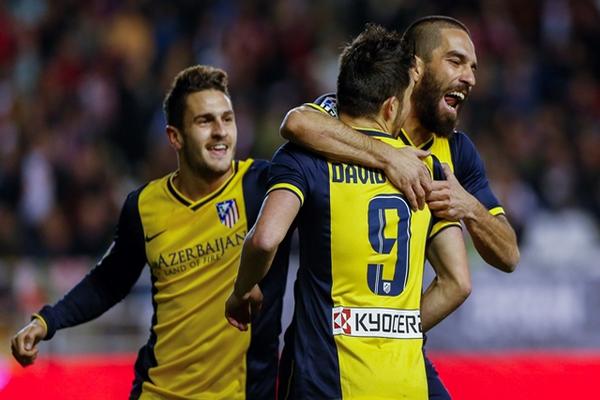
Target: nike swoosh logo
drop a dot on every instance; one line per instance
(151, 238)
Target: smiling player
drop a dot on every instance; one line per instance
(189, 227)
(446, 55)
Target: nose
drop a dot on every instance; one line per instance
(218, 129)
(468, 76)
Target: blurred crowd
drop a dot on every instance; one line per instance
(81, 88)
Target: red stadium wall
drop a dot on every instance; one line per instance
(520, 376)
(472, 376)
(65, 378)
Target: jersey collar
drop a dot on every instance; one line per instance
(194, 205)
(406, 139)
(373, 132)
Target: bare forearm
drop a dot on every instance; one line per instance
(332, 138)
(439, 300)
(336, 141)
(275, 218)
(254, 266)
(452, 285)
(494, 238)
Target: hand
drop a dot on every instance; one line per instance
(449, 200)
(240, 310)
(406, 170)
(24, 343)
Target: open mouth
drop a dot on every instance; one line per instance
(219, 149)
(454, 99)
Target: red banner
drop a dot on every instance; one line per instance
(468, 376)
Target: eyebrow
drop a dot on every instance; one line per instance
(463, 58)
(226, 113)
(203, 116)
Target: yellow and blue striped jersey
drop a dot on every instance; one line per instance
(193, 250)
(458, 152)
(356, 330)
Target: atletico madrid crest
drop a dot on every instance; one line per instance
(228, 212)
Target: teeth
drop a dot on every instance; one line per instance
(460, 95)
(219, 147)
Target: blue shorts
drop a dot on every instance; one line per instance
(437, 390)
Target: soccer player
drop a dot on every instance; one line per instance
(356, 331)
(189, 227)
(447, 62)
(443, 47)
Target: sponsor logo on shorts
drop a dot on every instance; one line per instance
(376, 322)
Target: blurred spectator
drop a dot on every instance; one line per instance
(81, 84)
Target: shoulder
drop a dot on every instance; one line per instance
(461, 140)
(291, 150)
(150, 191)
(133, 197)
(463, 149)
(258, 166)
(255, 171)
(326, 103)
(297, 157)
(129, 227)
(294, 163)
(252, 166)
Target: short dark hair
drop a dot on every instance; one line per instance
(372, 68)
(423, 35)
(190, 80)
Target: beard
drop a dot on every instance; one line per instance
(202, 167)
(426, 99)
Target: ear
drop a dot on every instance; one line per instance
(175, 137)
(416, 72)
(390, 108)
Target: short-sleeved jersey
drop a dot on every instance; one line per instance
(193, 250)
(356, 324)
(458, 152)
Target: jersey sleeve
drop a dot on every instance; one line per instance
(470, 172)
(290, 171)
(109, 281)
(263, 353)
(439, 224)
(255, 186)
(326, 103)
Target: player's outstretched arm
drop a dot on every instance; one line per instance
(276, 216)
(108, 282)
(494, 238)
(24, 344)
(337, 141)
(452, 284)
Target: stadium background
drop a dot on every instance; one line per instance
(81, 85)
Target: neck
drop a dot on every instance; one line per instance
(415, 131)
(370, 123)
(195, 186)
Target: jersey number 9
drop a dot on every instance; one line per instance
(383, 245)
